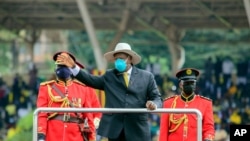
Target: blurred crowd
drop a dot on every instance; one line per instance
(225, 82)
(16, 101)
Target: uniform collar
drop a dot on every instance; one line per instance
(67, 83)
(187, 99)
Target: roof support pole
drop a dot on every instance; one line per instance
(174, 35)
(211, 12)
(132, 6)
(122, 29)
(247, 7)
(101, 63)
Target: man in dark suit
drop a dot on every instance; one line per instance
(136, 89)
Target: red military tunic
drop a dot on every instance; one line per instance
(58, 130)
(95, 103)
(183, 127)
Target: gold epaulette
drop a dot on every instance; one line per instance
(173, 96)
(204, 97)
(78, 82)
(47, 82)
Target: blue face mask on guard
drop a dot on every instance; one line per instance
(63, 72)
(120, 65)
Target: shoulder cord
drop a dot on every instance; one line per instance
(176, 121)
(54, 99)
(65, 101)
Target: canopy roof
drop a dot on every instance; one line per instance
(108, 14)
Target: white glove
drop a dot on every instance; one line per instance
(96, 122)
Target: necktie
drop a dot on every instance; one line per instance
(125, 76)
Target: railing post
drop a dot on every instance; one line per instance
(119, 110)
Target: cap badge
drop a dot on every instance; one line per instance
(188, 71)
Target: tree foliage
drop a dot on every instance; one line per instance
(199, 44)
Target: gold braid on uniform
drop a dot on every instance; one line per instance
(178, 121)
(65, 101)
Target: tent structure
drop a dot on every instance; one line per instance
(121, 15)
(108, 14)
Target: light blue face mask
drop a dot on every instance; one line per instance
(120, 65)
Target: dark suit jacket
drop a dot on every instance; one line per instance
(142, 87)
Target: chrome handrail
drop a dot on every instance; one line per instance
(119, 110)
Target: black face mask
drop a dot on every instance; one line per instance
(189, 88)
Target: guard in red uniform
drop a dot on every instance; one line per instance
(65, 92)
(183, 127)
(95, 103)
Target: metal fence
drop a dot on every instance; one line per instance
(119, 110)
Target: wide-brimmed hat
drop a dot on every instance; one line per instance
(124, 48)
(72, 56)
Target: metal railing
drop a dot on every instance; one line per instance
(119, 110)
